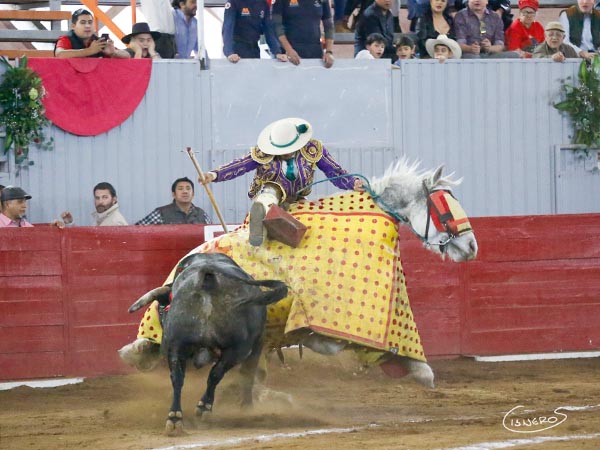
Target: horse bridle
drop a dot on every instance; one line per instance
(439, 212)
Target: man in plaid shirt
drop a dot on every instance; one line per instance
(181, 210)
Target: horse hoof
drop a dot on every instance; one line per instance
(142, 354)
(174, 425)
(201, 408)
(422, 373)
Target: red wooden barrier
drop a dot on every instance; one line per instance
(64, 294)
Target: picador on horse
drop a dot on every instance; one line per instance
(339, 258)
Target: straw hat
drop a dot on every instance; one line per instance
(442, 39)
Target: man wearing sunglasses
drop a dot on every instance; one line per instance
(81, 42)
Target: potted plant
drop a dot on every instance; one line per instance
(22, 111)
(582, 104)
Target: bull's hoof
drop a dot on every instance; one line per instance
(174, 425)
(202, 408)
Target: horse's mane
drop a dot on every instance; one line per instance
(407, 174)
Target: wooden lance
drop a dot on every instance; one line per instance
(208, 191)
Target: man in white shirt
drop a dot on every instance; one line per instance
(159, 15)
(582, 28)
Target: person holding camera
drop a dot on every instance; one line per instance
(81, 42)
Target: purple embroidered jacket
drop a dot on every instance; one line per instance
(271, 169)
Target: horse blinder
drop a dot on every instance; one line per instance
(446, 213)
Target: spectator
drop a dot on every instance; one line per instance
(405, 49)
(581, 24)
(159, 15)
(443, 48)
(375, 47)
(81, 42)
(142, 41)
(186, 28)
(284, 159)
(298, 26)
(554, 46)
(13, 204)
(181, 210)
(500, 7)
(353, 12)
(377, 18)
(339, 18)
(503, 9)
(525, 33)
(243, 23)
(434, 21)
(107, 212)
(479, 32)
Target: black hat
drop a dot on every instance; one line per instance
(13, 193)
(140, 28)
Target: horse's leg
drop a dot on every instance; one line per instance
(221, 367)
(174, 425)
(323, 344)
(417, 370)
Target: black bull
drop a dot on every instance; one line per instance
(216, 309)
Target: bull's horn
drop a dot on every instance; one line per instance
(149, 297)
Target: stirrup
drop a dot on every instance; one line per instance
(257, 215)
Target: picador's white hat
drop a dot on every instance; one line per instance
(284, 136)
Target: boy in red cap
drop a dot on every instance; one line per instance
(525, 33)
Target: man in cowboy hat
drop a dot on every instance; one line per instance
(284, 159)
(443, 48)
(13, 201)
(142, 41)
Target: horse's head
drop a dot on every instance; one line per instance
(423, 201)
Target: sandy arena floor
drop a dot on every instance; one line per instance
(336, 405)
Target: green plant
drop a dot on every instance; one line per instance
(22, 111)
(582, 104)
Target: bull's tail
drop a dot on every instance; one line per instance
(276, 290)
(149, 297)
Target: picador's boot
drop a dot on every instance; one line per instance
(269, 195)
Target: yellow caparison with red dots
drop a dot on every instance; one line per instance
(345, 278)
